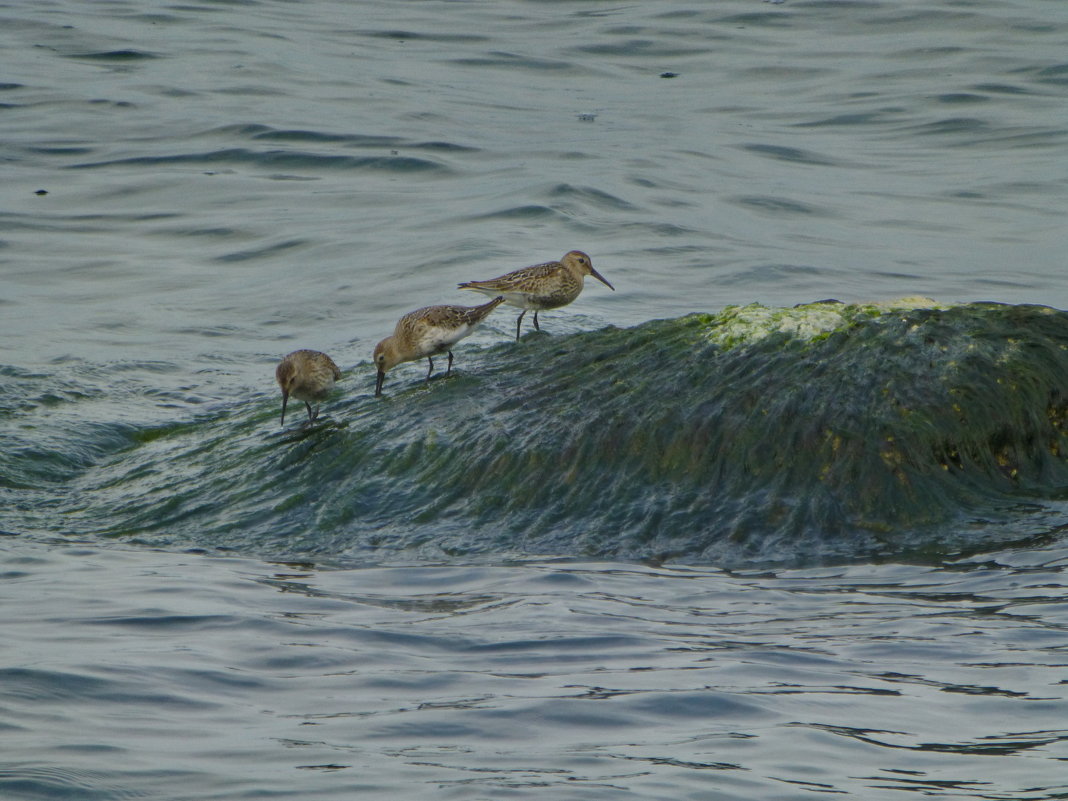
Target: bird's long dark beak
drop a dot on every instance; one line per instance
(378, 383)
(285, 400)
(601, 278)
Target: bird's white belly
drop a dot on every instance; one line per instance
(438, 340)
(521, 300)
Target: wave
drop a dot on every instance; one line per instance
(275, 159)
(754, 436)
(128, 54)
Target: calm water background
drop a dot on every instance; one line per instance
(227, 181)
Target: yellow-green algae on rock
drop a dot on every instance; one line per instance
(744, 325)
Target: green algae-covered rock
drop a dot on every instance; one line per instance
(756, 435)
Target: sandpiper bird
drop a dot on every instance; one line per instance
(426, 332)
(307, 375)
(543, 286)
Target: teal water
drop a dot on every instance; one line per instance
(140, 673)
(687, 542)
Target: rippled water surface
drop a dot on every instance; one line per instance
(191, 190)
(209, 678)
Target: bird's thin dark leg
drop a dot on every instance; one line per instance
(536, 326)
(311, 415)
(428, 372)
(519, 323)
(449, 369)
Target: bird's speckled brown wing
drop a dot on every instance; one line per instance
(447, 317)
(534, 279)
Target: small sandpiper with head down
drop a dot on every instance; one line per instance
(307, 375)
(428, 332)
(543, 286)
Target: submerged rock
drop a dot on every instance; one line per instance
(825, 430)
(756, 435)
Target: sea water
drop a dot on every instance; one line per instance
(191, 190)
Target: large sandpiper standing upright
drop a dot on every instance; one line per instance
(307, 375)
(427, 332)
(542, 286)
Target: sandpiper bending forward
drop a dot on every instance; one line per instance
(307, 375)
(543, 286)
(427, 332)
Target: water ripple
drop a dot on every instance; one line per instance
(266, 251)
(114, 55)
(778, 205)
(429, 36)
(274, 159)
(790, 154)
(28, 780)
(515, 61)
